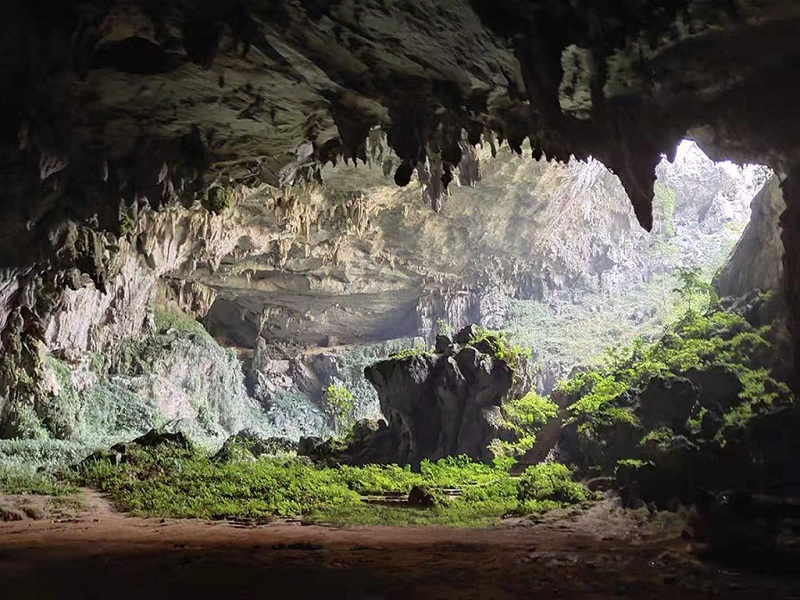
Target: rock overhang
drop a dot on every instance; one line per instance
(115, 107)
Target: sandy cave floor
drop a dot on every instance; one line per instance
(600, 552)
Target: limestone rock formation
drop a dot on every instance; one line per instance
(309, 286)
(436, 405)
(117, 110)
(757, 261)
(117, 107)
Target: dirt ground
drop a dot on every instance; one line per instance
(600, 552)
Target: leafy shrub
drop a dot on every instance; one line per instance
(694, 290)
(522, 420)
(127, 223)
(340, 406)
(443, 327)
(550, 482)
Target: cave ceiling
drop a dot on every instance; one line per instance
(114, 106)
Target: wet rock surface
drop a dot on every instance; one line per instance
(751, 531)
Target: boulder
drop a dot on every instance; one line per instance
(423, 497)
(437, 405)
(466, 335)
(442, 344)
(667, 402)
(320, 450)
(250, 445)
(119, 453)
(155, 438)
(379, 446)
(710, 424)
(755, 532)
(719, 387)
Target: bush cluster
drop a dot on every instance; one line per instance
(521, 422)
(602, 398)
(171, 481)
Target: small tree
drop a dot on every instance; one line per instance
(694, 290)
(443, 327)
(340, 407)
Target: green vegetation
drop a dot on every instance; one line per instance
(127, 224)
(443, 327)
(417, 349)
(180, 322)
(549, 485)
(340, 406)
(499, 345)
(23, 457)
(218, 199)
(605, 398)
(61, 414)
(170, 481)
(35, 483)
(695, 291)
(522, 420)
(79, 407)
(664, 209)
(572, 334)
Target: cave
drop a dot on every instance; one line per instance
(391, 298)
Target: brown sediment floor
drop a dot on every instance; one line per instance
(600, 552)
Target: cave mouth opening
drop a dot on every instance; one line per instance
(556, 260)
(347, 354)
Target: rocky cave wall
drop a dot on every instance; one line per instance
(757, 260)
(115, 108)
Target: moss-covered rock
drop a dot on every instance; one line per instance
(423, 496)
(682, 413)
(249, 444)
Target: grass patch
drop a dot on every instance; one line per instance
(20, 456)
(174, 482)
(65, 505)
(44, 484)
